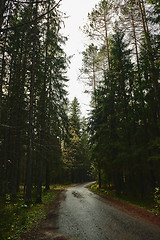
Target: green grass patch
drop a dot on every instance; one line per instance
(16, 217)
(147, 203)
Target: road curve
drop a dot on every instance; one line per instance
(82, 215)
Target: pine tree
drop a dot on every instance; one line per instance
(99, 26)
(75, 150)
(33, 97)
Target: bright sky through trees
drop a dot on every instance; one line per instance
(77, 12)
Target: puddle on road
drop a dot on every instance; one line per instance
(76, 194)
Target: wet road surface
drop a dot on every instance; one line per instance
(82, 215)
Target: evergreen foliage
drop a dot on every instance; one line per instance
(124, 122)
(42, 143)
(75, 149)
(33, 97)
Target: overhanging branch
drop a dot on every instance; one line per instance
(32, 21)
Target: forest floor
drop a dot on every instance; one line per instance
(47, 229)
(48, 223)
(16, 217)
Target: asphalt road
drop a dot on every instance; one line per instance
(82, 215)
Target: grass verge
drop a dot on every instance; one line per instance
(146, 203)
(16, 217)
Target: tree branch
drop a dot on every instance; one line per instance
(32, 21)
(27, 2)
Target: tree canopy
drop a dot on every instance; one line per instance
(124, 122)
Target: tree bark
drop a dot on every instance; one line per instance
(43, 120)
(99, 178)
(47, 175)
(107, 45)
(29, 173)
(153, 71)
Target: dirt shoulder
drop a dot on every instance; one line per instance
(46, 230)
(133, 210)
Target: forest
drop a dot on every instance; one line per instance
(122, 66)
(43, 137)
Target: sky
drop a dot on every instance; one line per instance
(77, 11)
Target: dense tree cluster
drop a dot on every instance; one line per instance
(125, 121)
(42, 139)
(75, 147)
(32, 95)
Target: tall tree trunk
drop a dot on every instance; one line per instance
(2, 128)
(28, 195)
(94, 77)
(107, 45)
(1, 81)
(43, 120)
(42, 133)
(15, 119)
(2, 9)
(6, 162)
(29, 173)
(48, 164)
(47, 175)
(99, 178)
(153, 71)
(2, 160)
(139, 75)
(135, 42)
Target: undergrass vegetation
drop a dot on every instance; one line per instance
(157, 199)
(16, 217)
(150, 203)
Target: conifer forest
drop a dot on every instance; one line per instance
(44, 139)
